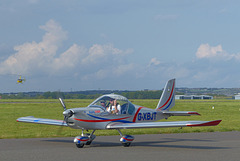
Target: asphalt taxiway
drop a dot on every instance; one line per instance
(215, 146)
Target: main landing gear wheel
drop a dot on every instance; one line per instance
(126, 140)
(126, 144)
(80, 145)
(89, 142)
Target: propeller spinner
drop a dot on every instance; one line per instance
(68, 113)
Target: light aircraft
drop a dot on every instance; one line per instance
(126, 116)
(20, 80)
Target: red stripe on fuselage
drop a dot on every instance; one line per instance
(135, 116)
(169, 96)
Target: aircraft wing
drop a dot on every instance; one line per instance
(31, 119)
(162, 124)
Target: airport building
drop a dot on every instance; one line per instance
(193, 97)
(236, 97)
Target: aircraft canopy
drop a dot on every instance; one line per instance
(103, 101)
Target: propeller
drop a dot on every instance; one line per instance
(63, 104)
(67, 112)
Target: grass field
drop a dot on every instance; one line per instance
(226, 110)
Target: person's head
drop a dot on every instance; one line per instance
(111, 101)
(103, 103)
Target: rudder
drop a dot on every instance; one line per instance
(167, 100)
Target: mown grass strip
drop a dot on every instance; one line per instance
(10, 110)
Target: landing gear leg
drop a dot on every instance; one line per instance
(126, 140)
(91, 138)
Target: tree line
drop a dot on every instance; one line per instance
(81, 95)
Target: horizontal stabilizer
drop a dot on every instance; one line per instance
(180, 113)
(162, 124)
(31, 119)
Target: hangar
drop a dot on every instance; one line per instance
(237, 97)
(193, 97)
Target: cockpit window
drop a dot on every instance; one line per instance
(115, 104)
(131, 108)
(102, 103)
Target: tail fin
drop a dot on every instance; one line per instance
(167, 100)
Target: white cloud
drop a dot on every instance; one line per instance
(216, 52)
(206, 51)
(55, 34)
(77, 60)
(30, 57)
(101, 53)
(69, 59)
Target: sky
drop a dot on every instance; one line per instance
(75, 45)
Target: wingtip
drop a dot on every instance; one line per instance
(209, 123)
(194, 113)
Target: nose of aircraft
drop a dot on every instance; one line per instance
(68, 113)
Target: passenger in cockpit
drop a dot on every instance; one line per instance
(114, 107)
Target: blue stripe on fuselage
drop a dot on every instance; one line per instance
(123, 121)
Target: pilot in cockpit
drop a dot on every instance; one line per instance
(103, 104)
(114, 107)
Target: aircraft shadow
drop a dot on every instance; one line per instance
(164, 143)
(189, 146)
(59, 141)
